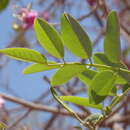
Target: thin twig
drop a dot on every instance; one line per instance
(39, 107)
(20, 119)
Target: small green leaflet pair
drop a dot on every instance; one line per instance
(110, 70)
(72, 36)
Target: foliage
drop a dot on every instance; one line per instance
(100, 75)
(3, 4)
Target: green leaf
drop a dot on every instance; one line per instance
(34, 68)
(112, 47)
(49, 38)
(101, 86)
(66, 72)
(94, 98)
(3, 4)
(103, 82)
(75, 38)
(24, 54)
(87, 76)
(101, 58)
(80, 101)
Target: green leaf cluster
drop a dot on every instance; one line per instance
(108, 68)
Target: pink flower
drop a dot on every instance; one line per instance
(2, 102)
(27, 17)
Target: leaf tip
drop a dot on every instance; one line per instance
(24, 72)
(113, 13)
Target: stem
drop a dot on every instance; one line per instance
(109, 108)
(119, 98)
(86, 124)
(68, 108)
(96, 65)
(64, 105)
